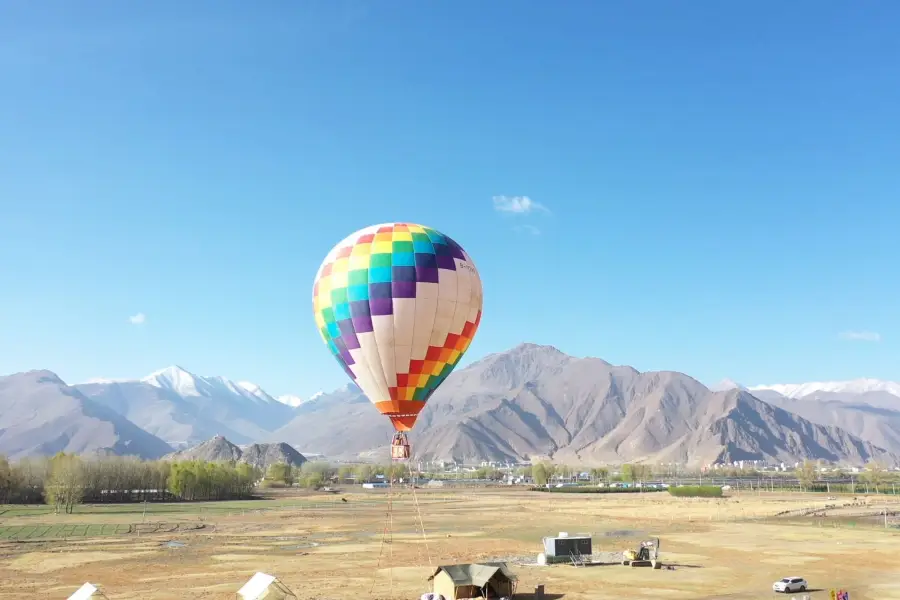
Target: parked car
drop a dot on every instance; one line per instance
(790, 584)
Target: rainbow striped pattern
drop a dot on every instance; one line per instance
(397, 304)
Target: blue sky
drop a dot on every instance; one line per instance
(721, 181)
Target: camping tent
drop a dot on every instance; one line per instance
(488, 580)
(88, 591)
(265, 587)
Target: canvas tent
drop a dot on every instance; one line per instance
(88, 591)
(263, 586)
(485, 580)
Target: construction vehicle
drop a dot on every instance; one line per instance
(647, 555)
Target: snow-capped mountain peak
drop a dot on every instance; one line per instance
(250, 387)
(855, 386)
(175, 379)
(184, 383)
(255, 391)
(291, 400)
(97, 380)
(181, 382)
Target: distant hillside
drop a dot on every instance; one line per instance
(876, 423)
(533, 399)
(219, 449)
(263, 455)
(41, 415)
(527, 402)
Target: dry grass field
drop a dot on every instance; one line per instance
(322, 547)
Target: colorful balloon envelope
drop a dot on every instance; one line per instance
(398, 305)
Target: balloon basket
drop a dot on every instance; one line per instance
(400, 447)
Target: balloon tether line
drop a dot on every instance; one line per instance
(391, 520)
(387, 537)
(419, 513)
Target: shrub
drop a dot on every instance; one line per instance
(268, 484)
(696, 491)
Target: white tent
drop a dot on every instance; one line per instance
(88, 591)
(265, 587)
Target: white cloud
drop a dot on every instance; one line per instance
(860, 336)
(527, 229)
(519, 205)
(137, 319)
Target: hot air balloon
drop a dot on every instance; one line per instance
(398, 305)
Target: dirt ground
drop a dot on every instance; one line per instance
(730, 548)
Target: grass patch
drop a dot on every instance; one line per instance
(696, 491)
(62, 531)
(182, 508)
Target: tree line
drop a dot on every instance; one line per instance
(66, 480)
(544, 472)
(315, 474)
(809, 477)
(875, 477)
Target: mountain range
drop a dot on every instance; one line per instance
(527, 402)
(256, 455)
(183, 409)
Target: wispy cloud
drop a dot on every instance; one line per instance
(530, 229)
(519, 205)
(137, 319)
(860, 336)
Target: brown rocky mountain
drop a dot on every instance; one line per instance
(534, 400)
(219, 449)
(263, 455)
(41, 415)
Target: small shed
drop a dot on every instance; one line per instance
(263, 586)
(483, 580)
(563, 547)
(88, 591)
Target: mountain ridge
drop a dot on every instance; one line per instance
(261, 456)
(854, 386)
(535, 400)
(526, 401)
(184, 408)
(41, 415)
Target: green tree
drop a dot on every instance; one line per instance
(806, 474)
(364, 473)
(64, 488)
(8, 481)
(314, 474)
(599, 474)
(874, 474)
(344, 473)
(541, 474)
(398, 471)
(281, 472)
(634, 473)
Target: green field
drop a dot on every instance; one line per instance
(35, 532)
(8, 511)
(149, 518)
